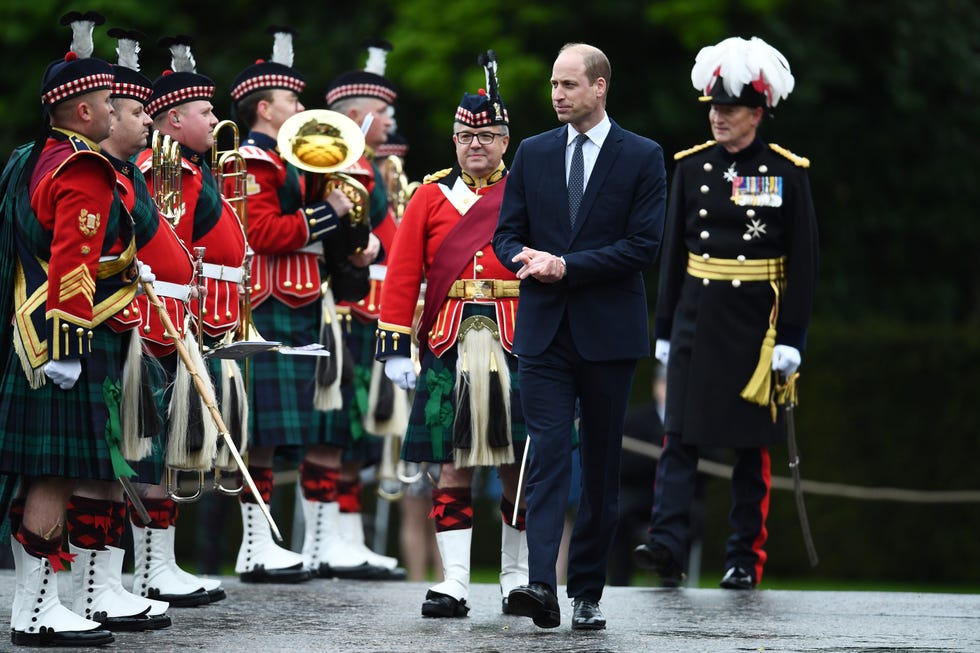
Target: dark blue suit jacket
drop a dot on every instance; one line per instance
(617, 235)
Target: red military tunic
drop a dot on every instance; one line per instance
(72, 195)
(210, 222)
(161, 249)
(285, 265)
(434, 210)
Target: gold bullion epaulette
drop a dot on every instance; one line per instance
(436, 176)
(801, 161)
(691, 150)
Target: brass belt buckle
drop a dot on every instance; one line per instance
(482, 289)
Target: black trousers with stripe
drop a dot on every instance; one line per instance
(673, 494)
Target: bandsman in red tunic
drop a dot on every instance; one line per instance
(466, 410)
(296, 241)
(68, 275)
(181, 108)
(366, 97)
(97, 512)
(162, 250)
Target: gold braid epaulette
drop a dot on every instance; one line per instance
(801, 161)
(691, 150)
(436, 176)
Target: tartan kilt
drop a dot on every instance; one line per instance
(420, 443)
(281, 386)
(55, 432)
(345, 425)
(160, 373)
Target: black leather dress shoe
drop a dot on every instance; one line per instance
(587, 615)
(134, 623)
(47, 637)
(259, 574)
(437, 604)
(537, 601)
(656, 557)
(736, 578)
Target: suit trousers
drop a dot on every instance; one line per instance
(557, 386)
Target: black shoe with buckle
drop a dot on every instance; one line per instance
(658, 558)
(736, 578)
(586, 615)
(537, 601)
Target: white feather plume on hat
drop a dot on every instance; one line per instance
(739, 62)
(82, 26)
(81, 38)
(128, 51)
(181, 57)
(282, 47)
(377, 60)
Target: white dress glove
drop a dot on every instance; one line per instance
(661, 351)
(785, 359)
(63, 373)
(401, 371)
(146, 273)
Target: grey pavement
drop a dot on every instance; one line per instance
(331, 615)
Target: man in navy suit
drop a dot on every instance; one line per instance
(582, 319)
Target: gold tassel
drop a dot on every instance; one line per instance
(759, 387)
(784, 393)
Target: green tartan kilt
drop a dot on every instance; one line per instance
(281, 387)
(434, 442)
(347, 424)
(55, 432)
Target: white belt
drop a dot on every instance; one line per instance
(312, 248)
(221, 272)
(175, 290)
(377, 272)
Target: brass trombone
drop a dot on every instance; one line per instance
(166, 174)
(229, 166)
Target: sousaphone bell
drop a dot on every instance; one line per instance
(323, 143)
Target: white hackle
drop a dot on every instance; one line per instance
(377, 61)
(282, 49)
(181, 59)
(81, 38)
(739, 62)
(129, 53)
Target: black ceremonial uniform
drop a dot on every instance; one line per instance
(736, 289)
(732, 210)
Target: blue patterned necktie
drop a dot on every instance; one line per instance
(576, 179)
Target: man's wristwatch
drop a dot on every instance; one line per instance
(564, 267)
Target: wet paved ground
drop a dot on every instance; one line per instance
(325, 615)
